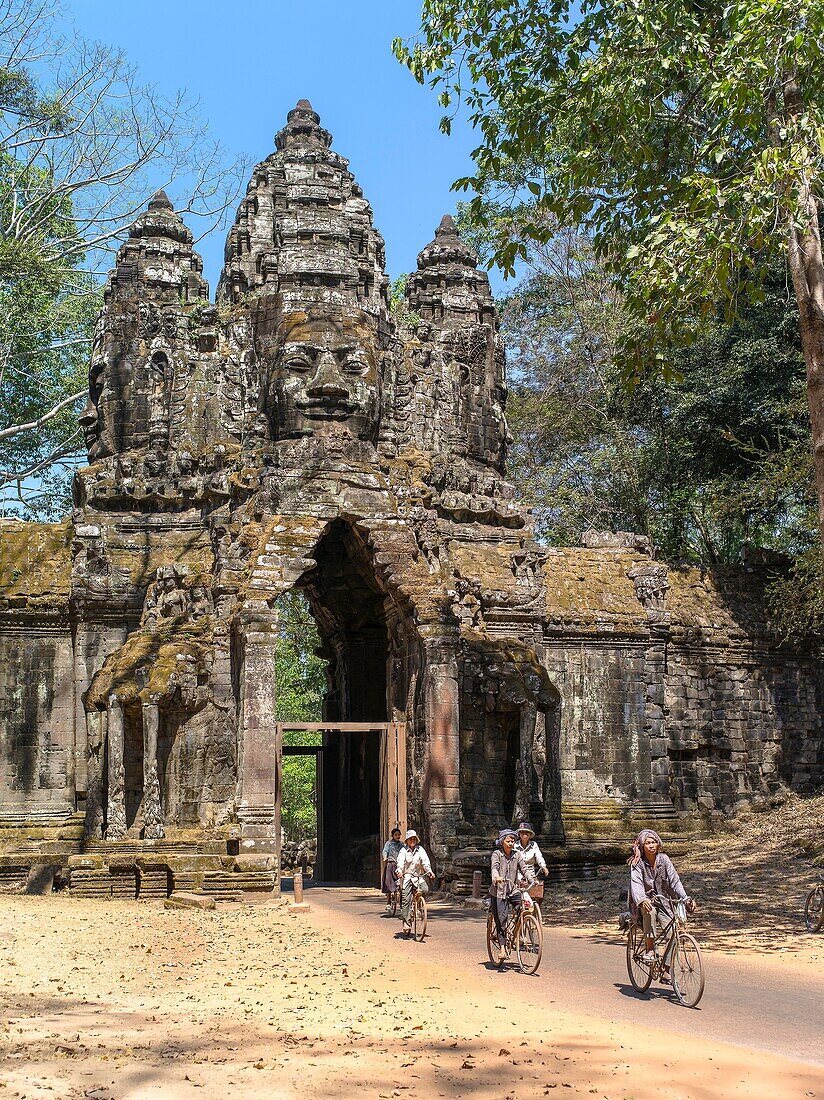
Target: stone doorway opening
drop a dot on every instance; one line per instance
(354, 616)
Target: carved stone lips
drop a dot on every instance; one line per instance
(324, 407)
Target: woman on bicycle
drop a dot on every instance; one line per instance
(650, 873)
(389, 877)
(528, 847)
(414, 869)
(508, 866)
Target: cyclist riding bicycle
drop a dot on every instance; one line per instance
(528, 847)
(389, 876)
(650, 873)
(508, 867)
(414, 869)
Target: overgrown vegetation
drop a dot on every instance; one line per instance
(683, 139)
(300, 684)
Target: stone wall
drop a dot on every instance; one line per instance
(37, 704)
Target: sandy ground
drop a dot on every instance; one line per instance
(125, 1001)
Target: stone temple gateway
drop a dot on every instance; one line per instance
(296, 433)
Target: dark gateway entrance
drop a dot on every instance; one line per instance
(361, 793)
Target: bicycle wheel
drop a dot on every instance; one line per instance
(814, 909)
(493, 946)
(419, 918)
(530, 944)
(640, 972)
(687, 970)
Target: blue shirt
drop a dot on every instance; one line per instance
(391, 849)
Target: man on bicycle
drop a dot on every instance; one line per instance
(651, 873)
(413, 870)
(389, 877)
(507, 866)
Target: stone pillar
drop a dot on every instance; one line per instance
(525, 771)
(260, 747)
(116, 802)
(152, 809)
(441, 783)
(95, 721)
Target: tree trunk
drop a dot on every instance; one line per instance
(807, 270)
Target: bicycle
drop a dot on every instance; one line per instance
(686, 965)
(418, 917)
(814, 908)
(394, 900)
(523, 934)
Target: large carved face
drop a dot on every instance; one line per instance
(324, 375)
(91, 420)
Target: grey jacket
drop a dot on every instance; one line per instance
(505, 873)
(645, 881)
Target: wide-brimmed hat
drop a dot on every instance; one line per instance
(525, 827)
(410, 833)
(505, 833)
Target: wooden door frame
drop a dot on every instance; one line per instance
(393, 805)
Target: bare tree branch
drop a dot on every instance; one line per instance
(33, 425)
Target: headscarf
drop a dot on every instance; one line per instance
(505, 833)
(638, 844)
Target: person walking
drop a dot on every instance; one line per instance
(389, 874)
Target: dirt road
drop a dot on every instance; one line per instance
(759, 1003)
(130, 1001)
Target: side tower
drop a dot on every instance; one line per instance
(140, 353)
(453, 297)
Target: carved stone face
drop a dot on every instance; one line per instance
(324, 375)
(89, 419)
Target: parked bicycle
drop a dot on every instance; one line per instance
(674, 943)
(523, 935)
(814, 907)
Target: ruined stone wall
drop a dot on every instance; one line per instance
(605, 747)
(676, 691)
(739, 724)
(37, 738)
(37, 705)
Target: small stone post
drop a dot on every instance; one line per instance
(298, 905)
(476, 901)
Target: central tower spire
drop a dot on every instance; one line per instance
(304, 232)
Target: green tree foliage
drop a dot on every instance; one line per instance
(300, 686)
(684, 138)
(47, 311)
(708, 465)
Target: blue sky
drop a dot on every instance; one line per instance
(249, 63)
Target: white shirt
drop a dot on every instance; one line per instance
(532, 857)
(413, 863)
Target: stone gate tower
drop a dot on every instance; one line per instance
(297, 434)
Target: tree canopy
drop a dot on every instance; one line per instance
(684, 138)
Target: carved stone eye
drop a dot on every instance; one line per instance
(298, 362)
(356, 363)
